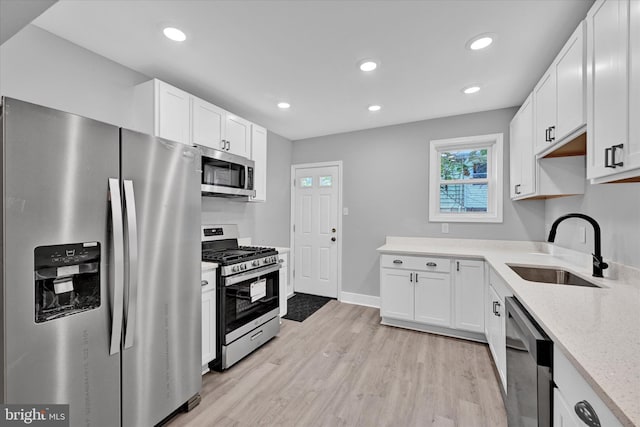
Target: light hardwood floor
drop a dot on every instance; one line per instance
(340, 367)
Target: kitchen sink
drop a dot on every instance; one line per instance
(556, 276)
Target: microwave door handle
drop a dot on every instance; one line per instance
(118, 265)
(132, 233)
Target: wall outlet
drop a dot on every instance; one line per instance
(582, 234)
(445, 227)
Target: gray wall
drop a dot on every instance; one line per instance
(385, 188)
(616, 207)
(266, 223)
(39, 67)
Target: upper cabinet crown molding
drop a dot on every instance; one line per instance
(613, 91)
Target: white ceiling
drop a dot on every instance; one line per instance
(248, 55)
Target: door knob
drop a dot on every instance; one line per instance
(333, 230)
(333, 239)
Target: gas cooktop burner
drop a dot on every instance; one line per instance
(234, 255)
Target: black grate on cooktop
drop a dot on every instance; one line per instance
(233, 255)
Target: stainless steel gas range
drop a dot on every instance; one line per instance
(248, 293)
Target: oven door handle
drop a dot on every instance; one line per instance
(232, 280)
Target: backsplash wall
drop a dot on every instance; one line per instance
(616, 207)
(266, 223)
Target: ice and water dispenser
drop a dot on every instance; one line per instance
(67, 280)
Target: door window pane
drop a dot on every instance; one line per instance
(326, 181)
(463, 198)
(463, 164)
(306, 182)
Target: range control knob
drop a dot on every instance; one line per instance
(243, 266)
(235, 268)
(255, 263)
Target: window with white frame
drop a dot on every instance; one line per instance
(465, 179)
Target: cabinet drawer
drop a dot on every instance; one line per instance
(411, 262)
(575, 389)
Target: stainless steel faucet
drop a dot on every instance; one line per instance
(598, 263)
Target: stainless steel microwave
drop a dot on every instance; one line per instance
(225, 174)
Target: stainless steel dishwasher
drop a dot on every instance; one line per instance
(529, 369)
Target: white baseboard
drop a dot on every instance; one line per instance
(360, 299)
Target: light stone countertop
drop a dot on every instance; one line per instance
(206, 266)
(598, 329)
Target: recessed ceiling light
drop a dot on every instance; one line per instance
(174, 34)
(368, 65)
(470, 89)
(480, 42)
(284, 105)
(374, 108)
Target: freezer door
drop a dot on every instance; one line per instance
(161, 360)
(56, 262)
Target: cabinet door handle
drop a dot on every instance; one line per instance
(432, 264)
(606, 158)
(517, 189)
(411, 277)
(223, 144)
(204, 283)
(587, 414)
(397, 261)
(552, 129)
(495, 311)
(546, 135)
(416, 277)
(457, 265)
(613, 155)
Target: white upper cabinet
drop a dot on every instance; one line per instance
(207, 124)
(539, 178)
(182, 117)
(613, 91)
(545, 109)
(570, 85)
(559, 96)
(238, 135)
(172, 113)
(259, 156)
(522, 159)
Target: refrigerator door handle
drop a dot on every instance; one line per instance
(118, 265)
(132, 232)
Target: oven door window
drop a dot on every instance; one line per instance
(248, 300)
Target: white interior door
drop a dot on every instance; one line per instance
(316, 230)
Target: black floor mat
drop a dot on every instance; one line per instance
(301, 306)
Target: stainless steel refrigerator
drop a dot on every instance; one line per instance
(100, 277)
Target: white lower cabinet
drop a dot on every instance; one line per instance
(284, 283)
(573, 395)
(427, 291)
(562, 415)
(396, 294)
(495, 327)
(469, 295)
(432, 293)
(208, 317)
